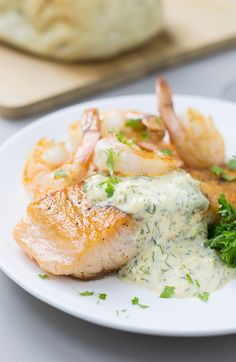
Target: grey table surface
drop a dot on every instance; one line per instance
(32, 331)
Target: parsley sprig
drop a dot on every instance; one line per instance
(168, 292)
(222, 174)
(167, 151)
(110, 183)
(86, 293)
(112, 157)
(135, 301)
(191, 281)
(127, 141)
(223, 236)
(43, 276)
(145, 136)
(204, 296)
(120, 136)
(135, 123)
(102, 296)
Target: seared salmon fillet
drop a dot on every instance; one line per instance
(67, 235)
(212, 186)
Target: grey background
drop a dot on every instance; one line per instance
(31, 331)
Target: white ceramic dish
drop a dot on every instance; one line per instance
(172, 317)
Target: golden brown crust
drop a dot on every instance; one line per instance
(212, 186)
(68, 214)
(67, 235)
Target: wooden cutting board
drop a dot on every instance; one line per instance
(193, 27)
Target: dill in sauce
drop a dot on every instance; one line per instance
(171, 213)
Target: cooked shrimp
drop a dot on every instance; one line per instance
(196, 138)
(50, 167)
(145, 129)
(131, 161)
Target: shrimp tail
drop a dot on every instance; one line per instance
(164, 93)
(167, 112)
(91, 121)
(91, 131)
(195, 137)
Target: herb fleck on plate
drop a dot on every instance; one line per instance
(86, 293)
(168, 292)
(43, 276)
(135, 301)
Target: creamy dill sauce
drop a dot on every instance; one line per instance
(171, 212)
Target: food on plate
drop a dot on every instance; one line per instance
(129, 160)
(146, 130)
(173, 216)
(155, 201)
(67, 235)
(212, 186)
(195, 136)
(43, 170)
(223, 235)
(200, 145)
(79, 30)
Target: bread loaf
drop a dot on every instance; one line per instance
(79, 29)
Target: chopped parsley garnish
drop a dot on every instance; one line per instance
(110, 183)
(167, 151)
(189, 278)
(135, 301)
(86, 294)
(158, 120)
(122, 312)
(221, 173)
(197, 283)
(191, 281)
(222, 237)
(112, 157)
(135, 123)
(127, 141)
(231, 164)
(204, 296)
(121, 137)
(145, 136)
(168, 292)
(43, 276)
(102, 296)
(60, 174)
(144, 270)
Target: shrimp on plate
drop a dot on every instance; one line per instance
(130, 159)
(68, 235)
(200, 145)
(144, 129)
(197, 140)
(51, 167)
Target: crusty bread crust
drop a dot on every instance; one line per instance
(77, 29)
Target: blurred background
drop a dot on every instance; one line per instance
(56, 52)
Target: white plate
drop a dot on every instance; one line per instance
(173, 317)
